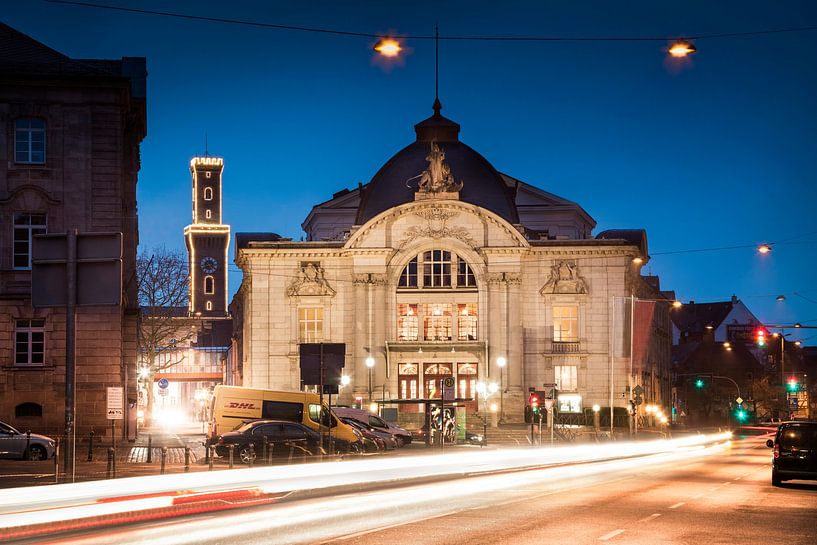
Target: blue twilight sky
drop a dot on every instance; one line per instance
(719, 152)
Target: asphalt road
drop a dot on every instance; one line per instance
(716, 495)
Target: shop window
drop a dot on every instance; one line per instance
(437, 322)
(26, 226)
(467, 322)
(29, 342)
(566, 323)
(408, 323)
(310, 324)
(29, 141)
(28, 409)
(570, 403)
(566, 377)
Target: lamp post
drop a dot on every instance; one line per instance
(370, 365)
(485, 390)
(501, 362)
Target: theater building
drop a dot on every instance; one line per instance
(443, 266)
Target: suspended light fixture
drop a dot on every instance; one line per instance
(388, 47)
(681, 49)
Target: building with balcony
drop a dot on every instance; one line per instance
(442, 266)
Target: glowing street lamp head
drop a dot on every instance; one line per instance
(681, 49)
(388, 47)
(596, 408)
(345, 380)
(501, 361)
(764, 248)
(677, 304)
(638, 260)
(370, 362)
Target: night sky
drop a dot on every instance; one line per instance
(718, 151)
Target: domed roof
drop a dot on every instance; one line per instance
(397, 181)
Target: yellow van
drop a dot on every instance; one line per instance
(233, 405)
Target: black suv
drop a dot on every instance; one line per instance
(795, 452)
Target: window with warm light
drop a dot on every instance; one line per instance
(437, 322)
(209, 285)
(566, 323)
(408, 322)
(408, 379)
(310, 324)
(432, 375)
(467, 322)
(566, 377)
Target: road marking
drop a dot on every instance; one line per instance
(653, 516)
(611, 535)
(701, 495)
(727, 482)
(677, 505)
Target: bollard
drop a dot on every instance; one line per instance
(268, 458)
(232, 451)
(110, 463)
(164, 459)
(28, 444)
(291, 451)
(264, 450)
(91, 446)
(186, 459)
(251, 457)
(206, 452)
(210, 461)
(150, 449)
(57, 461)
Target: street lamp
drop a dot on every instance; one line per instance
(681, 48)
(501, 362)
(345, 380)
(485, 390)
(370, 365)
(388, 47)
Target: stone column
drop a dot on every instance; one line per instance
(381, 318)
(514, 400)
(361, 315)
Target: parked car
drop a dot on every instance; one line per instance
(281, 435)
(372, 442)
(387, 440)
(402, 436)
(15, 444)
(795, 452)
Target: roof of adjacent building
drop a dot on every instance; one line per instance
(22, 55)
(243, 240)
(695, 317)
(397, 181)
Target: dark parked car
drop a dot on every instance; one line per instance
(15, 444)
(372, 442)
(282, 436)
(795, 452)
(387, 441)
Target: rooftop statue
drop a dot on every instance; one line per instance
(437, 178)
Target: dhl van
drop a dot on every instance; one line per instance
(233, 405)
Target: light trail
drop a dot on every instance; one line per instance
(39, 510)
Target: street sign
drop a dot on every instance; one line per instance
(548, 404)
(638, 400)
(792, 403)
(163, 383)
(739, 400)
(164, 392)
(638, 390)
(115, 405)
(448, 388)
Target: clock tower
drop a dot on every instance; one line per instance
(207, 240)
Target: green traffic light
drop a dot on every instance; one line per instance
(699, 383)
(741, 415)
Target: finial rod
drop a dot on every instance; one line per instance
(436, 62)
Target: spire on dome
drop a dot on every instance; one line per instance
(437, 128)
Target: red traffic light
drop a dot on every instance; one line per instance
(534, 402)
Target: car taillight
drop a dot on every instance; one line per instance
(776, 451)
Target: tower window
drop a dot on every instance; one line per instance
(208, 214)
(209, 305)
(208, 173)
(208, 193)
(209, 285)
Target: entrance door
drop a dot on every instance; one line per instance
(467, 377)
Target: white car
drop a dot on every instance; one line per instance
(22, 446)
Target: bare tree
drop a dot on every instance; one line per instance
(165, 324)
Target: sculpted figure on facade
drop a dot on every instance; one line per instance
(437, 178)
(310, 281)
(564, 278)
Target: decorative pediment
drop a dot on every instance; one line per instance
(310, 281)
(436, 227)
(564, 278)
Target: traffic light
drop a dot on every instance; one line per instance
(793, 385)
(534, 403)
(700, 383)
(741, 415)
(760, 337)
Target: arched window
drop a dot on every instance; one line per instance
(209, 285)
(441, 269)
(208, 214)
(208, 193)
(29, 409)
